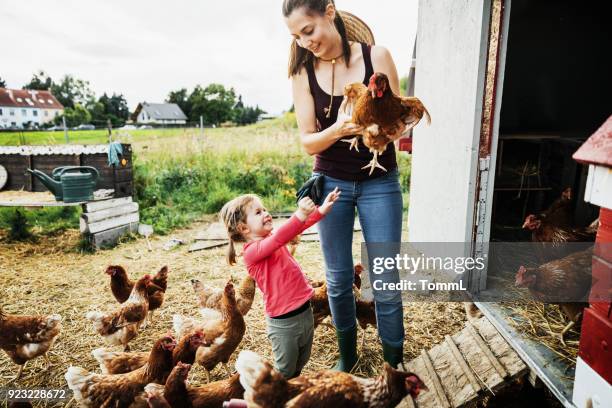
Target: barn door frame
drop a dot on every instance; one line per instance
(489, 134)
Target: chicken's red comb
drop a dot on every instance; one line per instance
(521, 270)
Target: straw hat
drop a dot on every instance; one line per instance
(356, 29)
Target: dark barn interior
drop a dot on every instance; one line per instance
(556, 93)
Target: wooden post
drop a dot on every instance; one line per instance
(201, 126)
(65, 129)
(110, 130)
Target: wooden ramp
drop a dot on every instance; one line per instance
(466, 366)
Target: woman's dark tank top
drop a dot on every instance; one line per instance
(338, 161)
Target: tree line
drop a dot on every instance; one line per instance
(215, 103)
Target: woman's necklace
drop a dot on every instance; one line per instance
(331, 98)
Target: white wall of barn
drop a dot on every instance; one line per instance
(450, 66)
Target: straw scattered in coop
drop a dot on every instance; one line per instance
(50, 276)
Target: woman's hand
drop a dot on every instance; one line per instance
(343, 125)
(331, 198)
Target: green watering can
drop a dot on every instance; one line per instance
(70, 184)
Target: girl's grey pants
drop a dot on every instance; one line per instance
(291, 340)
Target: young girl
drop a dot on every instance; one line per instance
(285, 289)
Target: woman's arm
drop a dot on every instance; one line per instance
(315, 142)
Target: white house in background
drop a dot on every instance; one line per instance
(159, 114)
(19, 107)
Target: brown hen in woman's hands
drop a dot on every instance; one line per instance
(383, 115)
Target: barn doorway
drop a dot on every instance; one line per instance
(556, 93)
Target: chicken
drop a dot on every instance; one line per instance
(209, 297)
(117, 362)
(180, 394)
(382, 114)
(265, 387)
(122, 285)
(544, 231)
(120, 390)
(366, 315)
(155, 399)
(560, 211)
(121, 326)
(353, 92)
(319, 300)
(24, 338)
(232, 330)
(566, 278)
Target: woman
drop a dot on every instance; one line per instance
(323, 62)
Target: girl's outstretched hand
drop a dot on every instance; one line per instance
(331, 198)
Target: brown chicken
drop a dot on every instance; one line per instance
(120, 390)
(179, 394)
(121, 326)
(560, 211)
(319, 300)
(209, 297)
(566, 278)
(353, 92)
(155, 399)
(122, 285)
(24, 338)
(543, 231)
(366, 315)
(382, 114)
(265, 387)
(223, 345)
(117, 362)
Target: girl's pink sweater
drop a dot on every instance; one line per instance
(278, 275)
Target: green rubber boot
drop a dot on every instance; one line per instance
(347, 346)
(392, 355)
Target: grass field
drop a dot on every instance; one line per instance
(182, 174)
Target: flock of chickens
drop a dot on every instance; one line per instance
(560, 275)
(158, 377)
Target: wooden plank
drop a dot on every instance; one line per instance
(450, 343)
(103, 214)
(500, 347)
(104, 204)
(112, 223)
(110, 237)
(201, 245)
(486, 350)
(437, 385)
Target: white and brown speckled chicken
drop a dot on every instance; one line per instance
(382, 114)
(122, 325)
(266, 387)
(26, 337)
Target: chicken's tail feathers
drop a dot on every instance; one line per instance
(249, 365)
(77, 377)
(209, 314)
(94, 315)
(154, 388)
(181, 324)
(102, 355)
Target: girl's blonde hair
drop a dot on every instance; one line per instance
(232, 214)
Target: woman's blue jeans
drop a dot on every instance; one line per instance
(379, 206)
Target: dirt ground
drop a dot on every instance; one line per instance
(51, 277)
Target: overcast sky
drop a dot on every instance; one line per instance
(144, 49)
